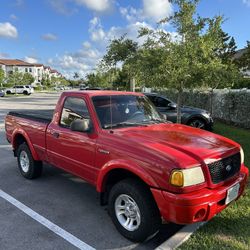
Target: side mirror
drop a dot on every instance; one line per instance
(172, 105)
(81, 125)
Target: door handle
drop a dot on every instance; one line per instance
(103, 151)
(55, 134)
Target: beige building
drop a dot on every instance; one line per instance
(38, 71)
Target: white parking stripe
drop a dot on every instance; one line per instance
(50, 225)
(5, 146)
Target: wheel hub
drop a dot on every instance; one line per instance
(24, 161)
(127, 212)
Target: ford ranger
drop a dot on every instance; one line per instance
(145, 168)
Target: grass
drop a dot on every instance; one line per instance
(231, 228)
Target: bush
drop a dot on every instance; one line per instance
(242, 83)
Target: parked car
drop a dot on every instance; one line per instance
(191, 116)
(18, 89)
(2, 92)
(31, 88)
(145, 169)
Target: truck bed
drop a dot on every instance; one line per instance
(44, 116)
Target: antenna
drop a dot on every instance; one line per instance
(111, 118)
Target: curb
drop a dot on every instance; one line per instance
(180, 237)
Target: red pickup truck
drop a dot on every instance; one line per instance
(145, 168)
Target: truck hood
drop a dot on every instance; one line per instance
(177, 141)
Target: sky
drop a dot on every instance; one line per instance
(72, 35)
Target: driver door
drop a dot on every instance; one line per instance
(71, 150)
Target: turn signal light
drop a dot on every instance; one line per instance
(176, 178)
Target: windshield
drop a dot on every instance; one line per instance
(125, 110)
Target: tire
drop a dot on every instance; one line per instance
(25, 92)
(29, 168)
(141, 210)
(8, 92)
(197, 123)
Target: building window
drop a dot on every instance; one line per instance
(26, 70)
(30, 69)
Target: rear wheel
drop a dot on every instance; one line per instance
(28, 167)
(8, 92)
(133, 210)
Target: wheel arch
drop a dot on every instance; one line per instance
(20, 137)
(112, 174)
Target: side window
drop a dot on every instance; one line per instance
(74, 108)
(152, 99)
(161, 102)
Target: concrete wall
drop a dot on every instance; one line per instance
(230, 106)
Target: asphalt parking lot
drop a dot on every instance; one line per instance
(69, 205)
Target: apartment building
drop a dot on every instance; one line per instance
(38, 71)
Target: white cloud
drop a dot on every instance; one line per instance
(13, 17)
(49, 37)
(30, 59)
(157, 9)
(68, 7)
(131, 31)
(82, 61)
(96, 30)
(247, 2)
(96, 5)
(8, 30)
(131, 14)
(64, 7)
(86, 45)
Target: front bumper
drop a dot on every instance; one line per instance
(197, 206)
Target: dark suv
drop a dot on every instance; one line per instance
(194, 117)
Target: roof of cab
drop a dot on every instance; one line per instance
(92, 93)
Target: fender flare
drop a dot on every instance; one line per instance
(19, 131)
(125, 165)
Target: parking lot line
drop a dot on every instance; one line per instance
(45, 222)
(6, 146)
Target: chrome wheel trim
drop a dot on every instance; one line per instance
(24, 161)
(127, 212)
(197, 124)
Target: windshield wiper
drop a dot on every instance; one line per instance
(123, 124)
(155, 121)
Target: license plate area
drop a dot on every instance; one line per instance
(232, 193)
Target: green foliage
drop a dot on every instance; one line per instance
(244, 61)
(15, 78)
(242, 83)
(119, 50)
(27, 79)
(76, 75)
(2, 77)
(46, 81)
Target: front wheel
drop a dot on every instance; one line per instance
(197, 123)
(133, 210)
(28, 167)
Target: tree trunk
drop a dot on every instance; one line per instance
(179, 100)
(211, 101)
(132, 84)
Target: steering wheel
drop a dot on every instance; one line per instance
(138, 112)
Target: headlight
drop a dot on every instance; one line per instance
(241, 155)
(207, 115)
(187, 177)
